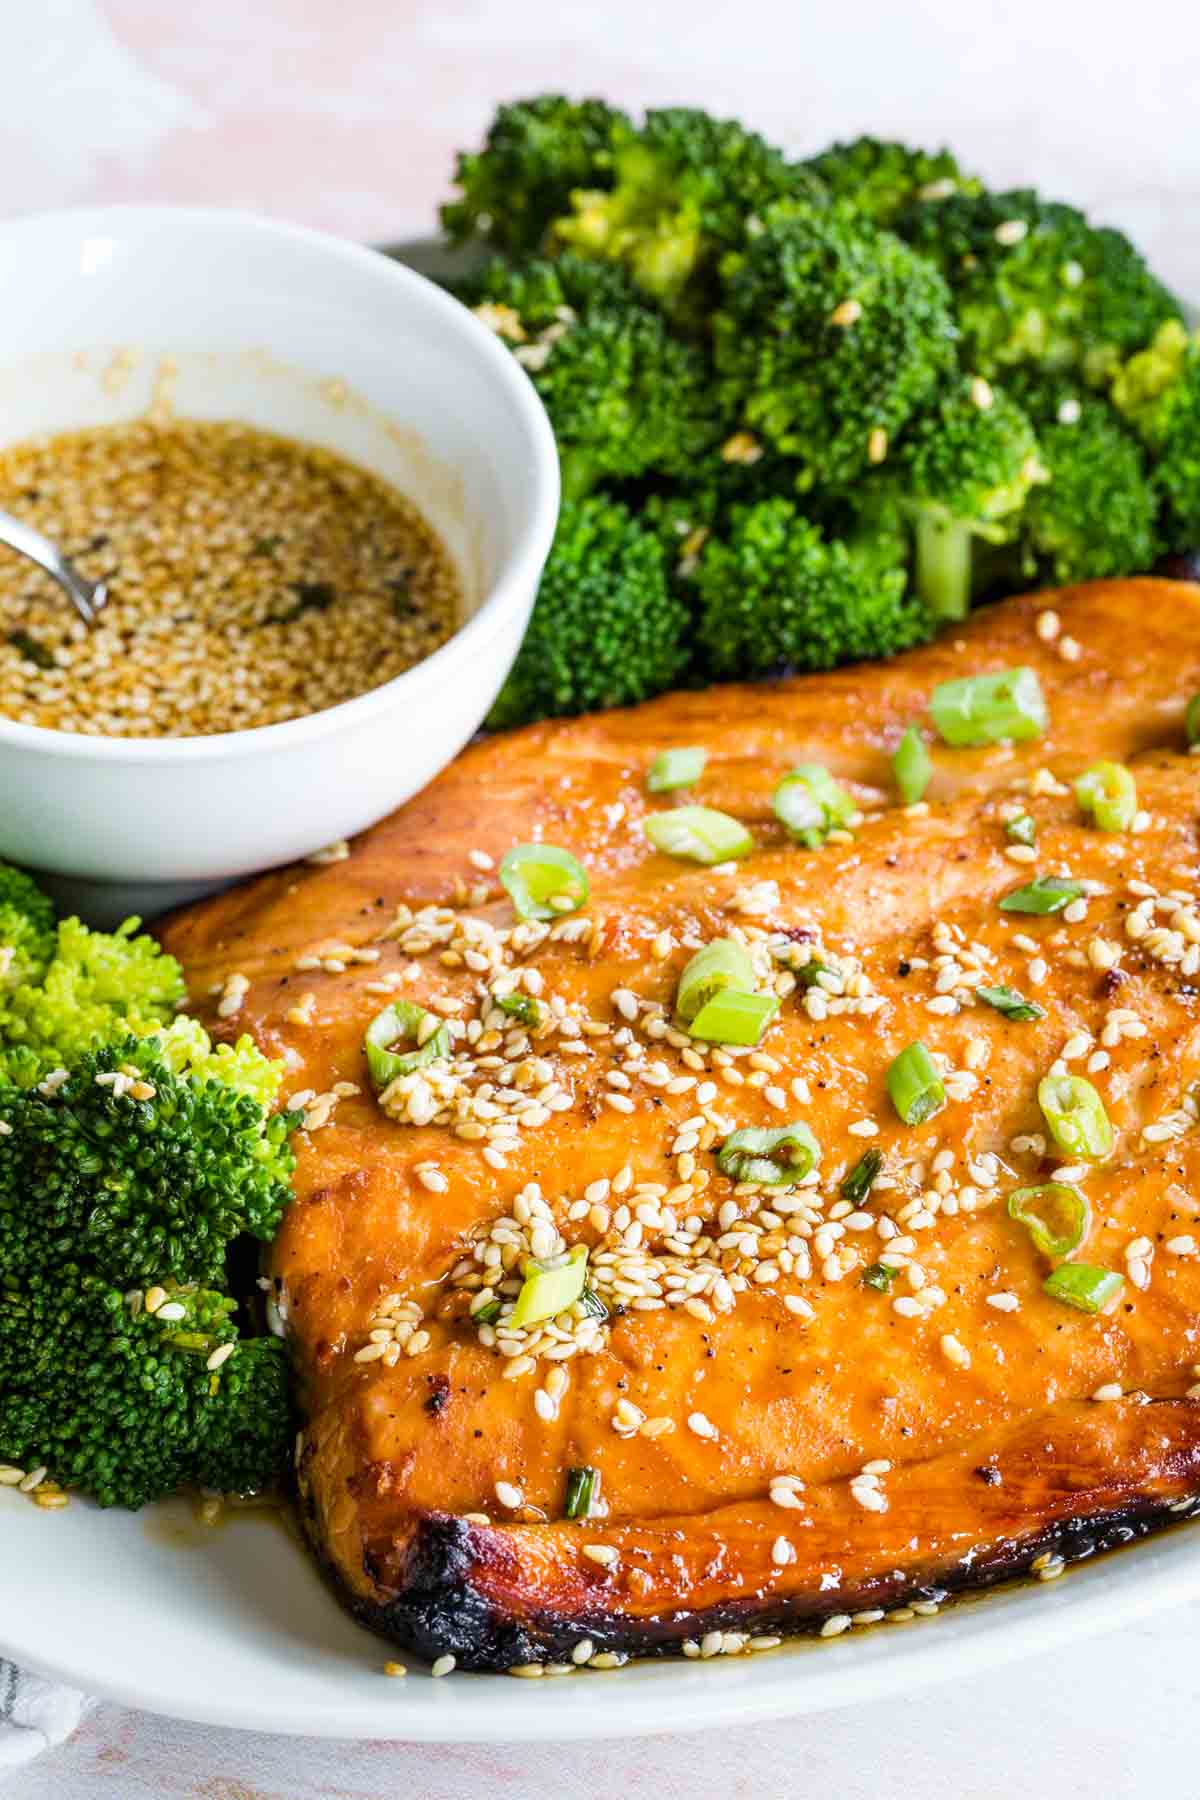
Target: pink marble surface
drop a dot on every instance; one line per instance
(345, 114)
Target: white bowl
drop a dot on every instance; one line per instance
(104, 312)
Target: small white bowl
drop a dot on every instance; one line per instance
(104, 313)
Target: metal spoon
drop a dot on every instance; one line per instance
(87, 597)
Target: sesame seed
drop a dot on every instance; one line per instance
(603, 1554)
(1011, 232)
(444, 1665)
(701, 1426)
(509, 1496)
(877, 445)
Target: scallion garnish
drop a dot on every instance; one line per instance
(402, 1019)
(1191, 720)
(810, 804)
(592, 1304)
(1088, 1289)
(859, 1182)
(1055, 1214)
(549, 1289)
(1022, 830)
(912, 766)
(773, 1158)
(583, 1490)
(487, 1315)
(915, 1085)
(675, 769)
(521, 1007)
(879, 1276)
(721, 964)
(1075, 1117)
(1006, 1000)
(698, 834)
(543, 881)
(732, 1017)
(989, 709)
(1044, 894)
(1109, 793)
(809, 974)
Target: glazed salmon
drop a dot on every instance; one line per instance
(799, 1404)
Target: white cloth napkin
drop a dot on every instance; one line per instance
(35, 1715)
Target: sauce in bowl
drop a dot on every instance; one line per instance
(251, 579)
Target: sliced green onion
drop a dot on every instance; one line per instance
(1075, 1116)
(543, 881)
(859, 1182)
(1022, 830)
(487, 1315)
(989, 709)
(1044, 894)
(593, 1306)
(774, 1158)
(1055, 1214)
(521, 1007)
(1006, 1000)
(915, 1086)
(810, 804)
(912, 766)
(1088, 1289)
(721, 964)
(1108, 791)
(1191, 720)
(545, 1292)
(402, 1019)
(699, 834)
(732, 1017)
(583, 1490)
(675, 769)
(879, 1276)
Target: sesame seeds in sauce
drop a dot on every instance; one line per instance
(251, 580)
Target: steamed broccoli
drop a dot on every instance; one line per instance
(685, 189)
(962, 473)
(536, 152)
(880, 178)
(606, 629)
(132, 1153)
(1034, 282)
(120, 1402)
(830, 334)
(775, 593)
(1094, 515)
(1158, 392)
(144, 1173)
(27, 930)
(623, 395)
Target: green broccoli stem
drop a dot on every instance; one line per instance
(943, 565)
(578, 472)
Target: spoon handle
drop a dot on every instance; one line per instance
(87, 597)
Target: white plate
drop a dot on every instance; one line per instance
(234, 1627)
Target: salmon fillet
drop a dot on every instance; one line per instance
(779, 1444)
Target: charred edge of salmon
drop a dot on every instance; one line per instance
(444, 1607)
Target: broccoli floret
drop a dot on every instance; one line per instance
(1158, 392)
(880, 178)
(830, 334)
(606, 630)
(624, 396)
(97, 987)
(685, 188)
(142, 1173)
(962, 474)
(120, 1401)
(1034, 282)
(535, 153)
(27, 930)
(776, 593)
(1094, 515)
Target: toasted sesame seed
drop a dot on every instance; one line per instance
(604, 1554)
(444, 1665)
